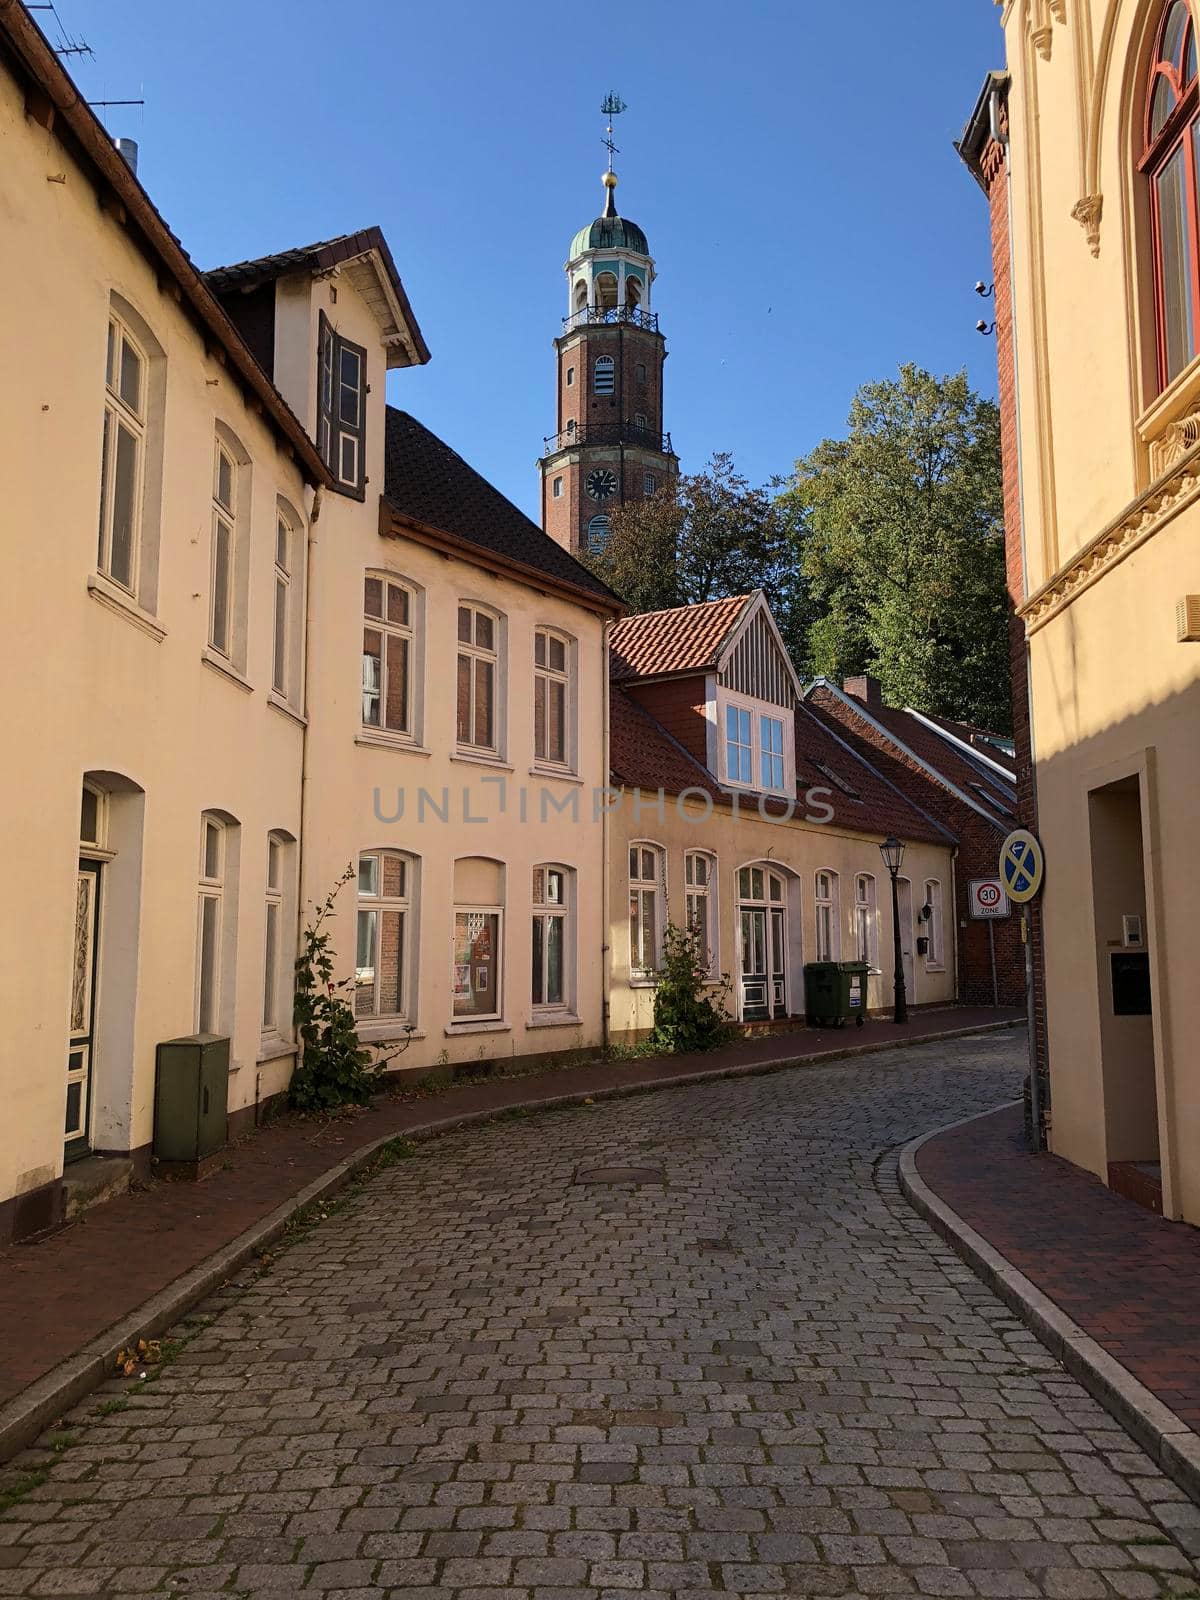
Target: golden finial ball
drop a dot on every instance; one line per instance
(609, 180)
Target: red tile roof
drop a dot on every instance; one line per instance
(684, 639)
(643, 755)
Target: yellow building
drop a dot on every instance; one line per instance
(1087, 149)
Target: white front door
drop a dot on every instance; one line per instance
(81, 1039)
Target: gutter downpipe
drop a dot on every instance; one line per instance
(605, 845)
(314, 516)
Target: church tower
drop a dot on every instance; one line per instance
(609, 448)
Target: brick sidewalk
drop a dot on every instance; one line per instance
(1129, 1279)
(58, 1294)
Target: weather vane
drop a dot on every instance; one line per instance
(612, 107)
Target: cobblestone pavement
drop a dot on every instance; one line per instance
(483, 1377)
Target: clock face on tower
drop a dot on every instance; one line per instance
(601, 483)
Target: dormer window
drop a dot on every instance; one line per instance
(756, 750)
(342, 408)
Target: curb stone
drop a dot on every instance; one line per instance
(29, 1413)
(1165, 1437)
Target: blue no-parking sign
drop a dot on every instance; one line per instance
(1022, 865)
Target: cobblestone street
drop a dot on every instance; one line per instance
(761, 1375)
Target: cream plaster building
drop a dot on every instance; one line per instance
(1087, 149)
(276, 629)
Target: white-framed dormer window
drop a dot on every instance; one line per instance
(223, 555)
(646, 896)
(389, 621)
(553, 654)
(478, 679)
(122, 462)
(866, 922)
(935, 954)
(700, 896)
(828, 928)
(604, 376)
(553, 975)
(384, 941)
(756, 749)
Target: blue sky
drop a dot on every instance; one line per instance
(791, 163)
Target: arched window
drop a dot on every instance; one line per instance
(606, 290)
(581, 294)
(633, 292)
(384, 945)
(598, 530)
(866, 925)
(647, 893)
(604, 376)
(389, 617)
(479, 650)
(553, 985)
(700, 886)
(827, 917)
(1171, 163)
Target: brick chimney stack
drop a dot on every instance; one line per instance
(866, 689)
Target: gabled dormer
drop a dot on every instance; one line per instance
(718, 677)
(326, 322)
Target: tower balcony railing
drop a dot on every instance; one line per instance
(633, 315)
(590, 433)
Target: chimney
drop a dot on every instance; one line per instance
(128, 148)
(866, 689)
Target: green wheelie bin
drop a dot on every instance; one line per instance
(834, 992)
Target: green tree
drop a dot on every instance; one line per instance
(900, 540)
(701, 537)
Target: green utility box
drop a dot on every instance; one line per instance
(835, 991)
(191, 1097)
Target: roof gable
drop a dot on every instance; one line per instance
(673, 643)
(755, 661)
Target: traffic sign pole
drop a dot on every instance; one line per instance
(1022, 866)
(1035, 1088)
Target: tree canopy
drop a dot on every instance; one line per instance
(899, 539)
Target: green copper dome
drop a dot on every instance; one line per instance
(610, 233)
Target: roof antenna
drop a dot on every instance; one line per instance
(612, 107)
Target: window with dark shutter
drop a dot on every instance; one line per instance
(342, 408)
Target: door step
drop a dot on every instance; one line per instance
(95, 1179)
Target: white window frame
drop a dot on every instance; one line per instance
(649, 483)
(225, 516)
(379, 905)
(120, 413)
(642, 888)
(935, 956)
(545, 679)
(557, 488)
(706, 892)
(571, 370)
(607, 384)
(276, 1020)
(767, 780)
(827, 919)
(470, 650)
(281, 634)
(641, 422)
(208, 1008)
(405, 631)
(866, 920)
(757, 711)
(546, 911)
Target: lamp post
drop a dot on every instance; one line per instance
(892, 852)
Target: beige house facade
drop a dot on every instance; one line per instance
(292, 634)
(1088, 150)
(738, 811)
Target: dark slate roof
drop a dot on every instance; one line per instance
(428, 482)
(326, 253)
(610, 233)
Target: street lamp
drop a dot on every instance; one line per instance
(892, 852)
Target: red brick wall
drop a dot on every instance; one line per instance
(679, 705)
(994, 172)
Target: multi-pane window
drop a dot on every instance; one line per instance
(934, 955)
(604, 376)
(770, 738)
(478, 668)
(285, 541)
(381, 962)
(551, 893)
(699, 873)
(640, 422)
(866, 927)
(1171, 163)
(224, 550)
(645, 875)
(387, 655)
(122, 452)
(827, 918)
(649, 483)
(739, 750)
(273, 941)
(211, 918)
(551, 697)
(342, 407)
